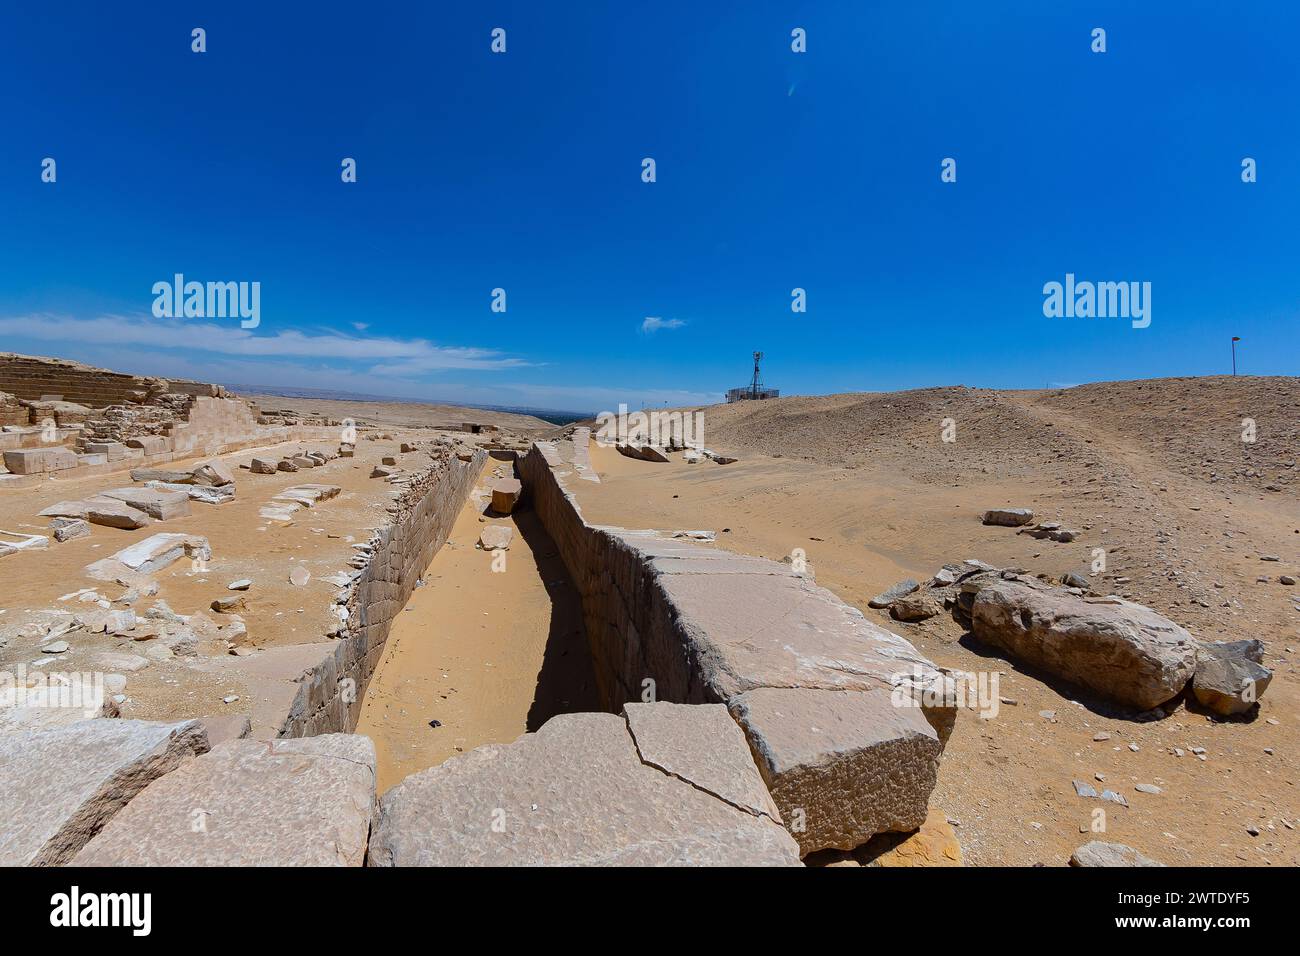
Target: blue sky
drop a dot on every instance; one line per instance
(775, 170)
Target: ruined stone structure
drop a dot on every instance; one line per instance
(696, 625)
(32, 377)
(329, 699)
(65, 417)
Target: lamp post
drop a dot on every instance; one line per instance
(1235, 340)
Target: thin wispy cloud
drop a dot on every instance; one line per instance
(393, 356)
(654, 323)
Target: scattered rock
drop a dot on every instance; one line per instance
(889, 596)
(1008, 517)
(1098, 853)
(496, 537)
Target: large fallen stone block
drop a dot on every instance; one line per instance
(1120, 650)
(60, 786)
(299, 802)
(169, 475)
(308, 495)
(262, 466)
(214, 472)
(841, 765)
(575, 793)
(36, 461)
(65, 529)
(1008, 517)
(115, 514)
(208, 494)
(505, 495)
(151, 555)
(1232, 683)
(158, 504)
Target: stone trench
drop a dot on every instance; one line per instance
(749, 717)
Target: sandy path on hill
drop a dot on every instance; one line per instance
(490, 655)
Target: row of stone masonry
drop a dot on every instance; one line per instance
(779, 735)
(814, 685)
(32, 377)
(124, 792)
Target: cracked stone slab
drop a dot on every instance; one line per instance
(573, 793)
(299, 802)
(702, 745)
(841, 765)
(59, 786)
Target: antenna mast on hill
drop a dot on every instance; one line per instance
(755, 389)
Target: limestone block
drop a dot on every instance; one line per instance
(575, 793)
(60, 786)
(299, 802)
(841, 765)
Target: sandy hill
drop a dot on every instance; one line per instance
(1192, 426)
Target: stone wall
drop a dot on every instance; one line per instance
(31, 376)
(329, 698)
(831, 703)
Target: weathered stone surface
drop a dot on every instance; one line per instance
(1123, 651)
(226, 727)
(151, 555)
(214, 472)
(1008, 517)
(496, 537)
(169, 475)
(160, 505)
(842, 766)
(308, 495)
(1251, 650)
(505, 495)
(573, 793)
(65, 529)
(36, 461)
(60, 786)
(1099, 853)
(149, 444)
(890, 595)
(115, 514)
(262, 466)
(915, 607)
(112, 450)
(1230, 685)
(776, 629)
(935, 844)
(284, 464)
(701, 744)
(302, 802)
(65, 509)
